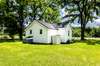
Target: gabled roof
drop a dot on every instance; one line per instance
(49, 25)
(46, 24)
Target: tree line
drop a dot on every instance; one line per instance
(13, 12)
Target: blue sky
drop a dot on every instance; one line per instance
(96, 22)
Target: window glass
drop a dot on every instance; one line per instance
(40, 31)
(30, 31)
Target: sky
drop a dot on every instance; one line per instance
(96, 22)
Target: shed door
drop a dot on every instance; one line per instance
(55, 39)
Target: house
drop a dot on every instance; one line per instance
(43, 32)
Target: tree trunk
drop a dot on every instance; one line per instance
(82, 31)
(20, 35)
(82, 26)
(21, 22)
(21, 31)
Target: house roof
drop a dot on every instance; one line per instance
(49, 25)
(46, 24)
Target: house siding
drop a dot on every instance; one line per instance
(64, 35)
(51, 33)
(37, 37)
(46, 35)
(69, 30)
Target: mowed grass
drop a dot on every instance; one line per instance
(85, 53)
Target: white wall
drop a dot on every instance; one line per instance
(47, 34)
(37, 37)
(63, 33)
(69, 30)
(51, 33)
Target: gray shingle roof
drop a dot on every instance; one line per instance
(48, 25)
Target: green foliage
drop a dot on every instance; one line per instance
(96, 32)
(82, 9)
(11, 28)
(8, 19)
(76, 32)
(41, 9)
(89, 32)
(48, 11)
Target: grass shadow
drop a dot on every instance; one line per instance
(33, 43)
(88, 41)
(8, 40)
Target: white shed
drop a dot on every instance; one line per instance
(42, 32)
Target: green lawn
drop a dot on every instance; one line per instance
(76, 54)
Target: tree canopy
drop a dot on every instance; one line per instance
(47, 10)
(82, 9)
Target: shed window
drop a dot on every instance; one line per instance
(30, 31)
(40, 31)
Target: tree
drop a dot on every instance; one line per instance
(11, 26)
(8, 20)
(82, 9)
(44, 10)
(2, 8)
(40, 10)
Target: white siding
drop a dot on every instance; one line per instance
(64, 34)
(51, 33)
(37, 37)
(47, 34)
(69, 30)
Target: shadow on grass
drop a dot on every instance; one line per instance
(88, 41)
(38, 43)
(8, 40)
